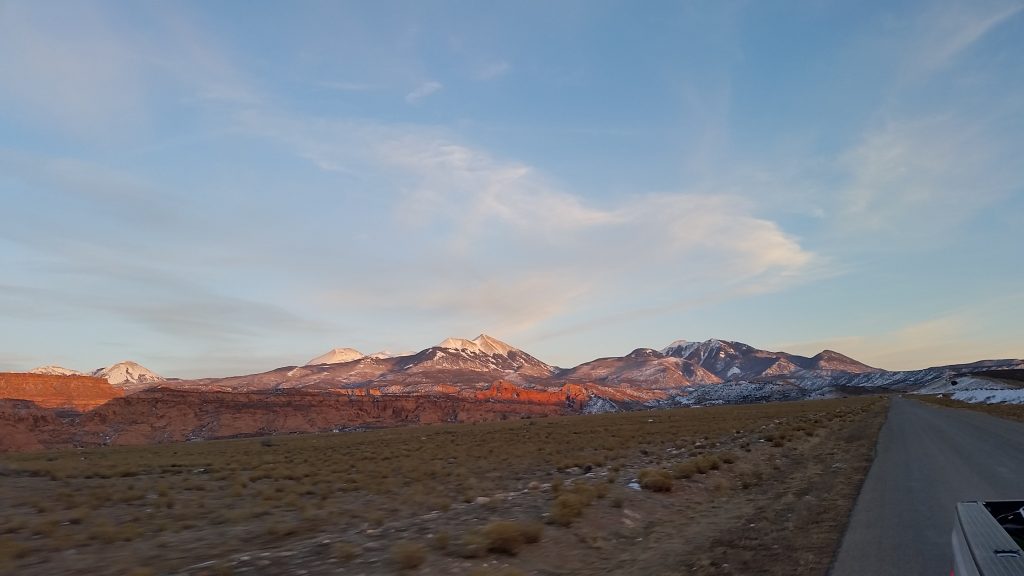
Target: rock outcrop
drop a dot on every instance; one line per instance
(168, 415)
(57, 391)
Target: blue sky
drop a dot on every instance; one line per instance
(223, 188)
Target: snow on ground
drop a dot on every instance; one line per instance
(964, 382)
(1012, 396)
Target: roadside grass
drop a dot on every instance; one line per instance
(124, 507)
(1008, 411)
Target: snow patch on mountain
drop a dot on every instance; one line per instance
(680, 348)
(482, 343)
(383, 354)
(336, 356)
(127, 374)
(53, 370)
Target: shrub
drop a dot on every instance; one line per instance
(567, 507)
(684, 470)
(706, 463)
(472, 545)
(345, 551)
(584, 491)
(532, 531)
(408, 555)
(655, 480)
(440, 540)
(749, 477)
(721, 486)
(510, 537)
(11, 551)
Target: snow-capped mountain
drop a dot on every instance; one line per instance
(641, 368)
(737, 361)
(343, 355)
(709, 372)
(483, 344)
(927, 380)
(55, 371)
(128, 375)
(389, 354)
(455, 362)
(481, 354)
(336, 356)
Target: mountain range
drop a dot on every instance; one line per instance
(457, 380)
(677, 372)
(712, 371)
(126, 374)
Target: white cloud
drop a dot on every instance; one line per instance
(443, 178)
(495, 241)
(423, 90)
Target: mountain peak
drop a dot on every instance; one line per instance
(127, 372)
(483, 343)
(336, 356)
(832, 360)
(54, 370)
(644, 354)
(383, 354)
(680, 348)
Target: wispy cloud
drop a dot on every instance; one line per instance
(441, 175)
(916, 179)
(950, 28)
(423, 90)
(493, 238)
(492, 70)
(68, 67)
(347, 86)
(973, 331)
(79, 70)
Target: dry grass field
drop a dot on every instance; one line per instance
(757, 489)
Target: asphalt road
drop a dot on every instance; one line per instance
(928, 458)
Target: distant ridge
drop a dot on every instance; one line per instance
(683, 372)
(336, 356)
(126, 374)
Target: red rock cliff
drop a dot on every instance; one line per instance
(571, 396)
(48, 391)
(167, 415)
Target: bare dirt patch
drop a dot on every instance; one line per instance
(761, 489)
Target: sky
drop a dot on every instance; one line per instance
(217, 188)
